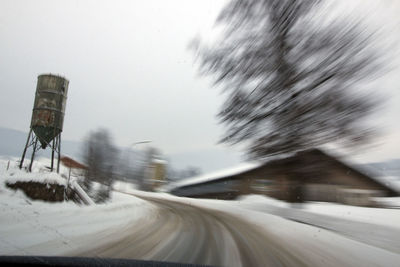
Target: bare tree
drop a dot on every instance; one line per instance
(290, 77)
(100, 156)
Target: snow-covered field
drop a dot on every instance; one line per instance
(24, 224)
(387, 217)
(37, 228)
(384, 217)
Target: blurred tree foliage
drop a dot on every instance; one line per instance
(290, 76)
(100, 157)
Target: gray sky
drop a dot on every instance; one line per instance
(130, 70)
(127, 63)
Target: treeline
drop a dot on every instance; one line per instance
(107, 163)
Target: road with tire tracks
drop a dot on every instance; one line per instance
(189, 234)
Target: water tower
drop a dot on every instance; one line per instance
(47, 117)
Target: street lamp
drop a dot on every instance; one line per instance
(129, 169)
(140, 142)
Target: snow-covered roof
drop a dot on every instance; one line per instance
(391, 182)
(208, 177)
(388, 182)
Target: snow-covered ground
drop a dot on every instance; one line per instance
(37, 228)
(9, 172)
(373, 226)
(378, 216)
(387, 217)
(26, 226)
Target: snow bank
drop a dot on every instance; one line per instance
(378, 216)
(384, 217)
(82, 194)
(38, 228)
(11, 174)
(41, 228)
(392, 202)
(124, 186)
(256, 200)
(39, 173)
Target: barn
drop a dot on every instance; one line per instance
(311, 175)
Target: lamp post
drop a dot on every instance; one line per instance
(130, 150)
(140, 142)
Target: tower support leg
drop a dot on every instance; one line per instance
(26, 147)
(59, 153)
(33, 154)
(53, 147)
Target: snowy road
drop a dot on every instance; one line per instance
(190, 234)
(218, 234)
(153, 226)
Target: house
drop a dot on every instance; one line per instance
(71, 164)
(311, 175)
(155, 174)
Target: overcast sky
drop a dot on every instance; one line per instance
(130, 70)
